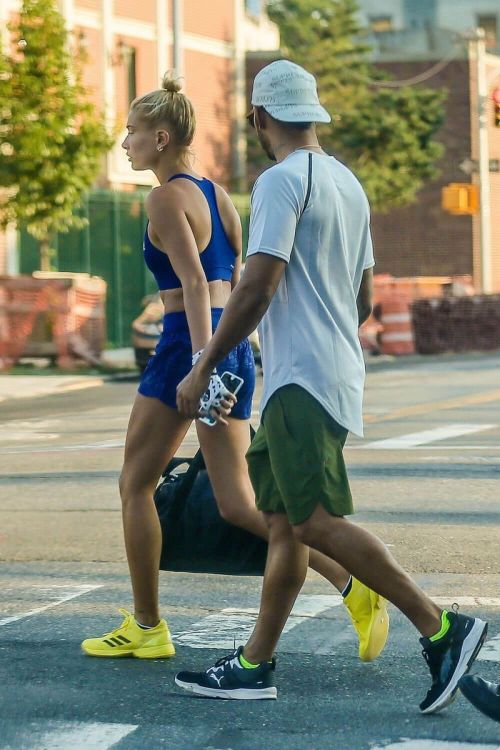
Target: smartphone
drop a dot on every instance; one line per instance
(233, 384)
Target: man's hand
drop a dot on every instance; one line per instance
(191, 389)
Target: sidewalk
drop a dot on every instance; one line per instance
(28, 386)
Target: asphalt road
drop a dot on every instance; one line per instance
(425, 478)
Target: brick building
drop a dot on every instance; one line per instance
(423, 239)
(408, 38)
(131, 43)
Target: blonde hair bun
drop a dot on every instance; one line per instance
(170, 83)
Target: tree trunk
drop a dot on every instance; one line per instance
(45, 264)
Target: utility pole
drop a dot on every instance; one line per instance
(177, 37)
(239, 108)
(477, 58)
(161, 39)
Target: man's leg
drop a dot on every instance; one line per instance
(371, 562)
(248, 674)
(450, 641)
(306, 454)
(286, 569)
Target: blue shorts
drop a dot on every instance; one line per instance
(171, 362)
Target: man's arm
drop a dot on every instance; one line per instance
(246, 306)
(364, 299)
(244, 310)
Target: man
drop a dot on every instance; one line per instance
(308, 277)
(482, 694)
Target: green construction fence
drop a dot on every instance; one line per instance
(110, 246)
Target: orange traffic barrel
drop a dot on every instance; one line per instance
(397, 331)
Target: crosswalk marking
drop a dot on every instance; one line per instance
(413, 439)
(60, 735)
(434, 745)
(221, 630)
(491, 650)
(62, 593)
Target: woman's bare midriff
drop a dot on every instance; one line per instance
(220, 291)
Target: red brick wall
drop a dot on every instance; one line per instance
(145, 10)
(208, 85)
(88, 4)
(422, 239)
(92, 73)
(214, 18)
(147, 79)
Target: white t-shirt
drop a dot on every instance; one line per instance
(309, 334)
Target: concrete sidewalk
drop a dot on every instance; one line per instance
(28, 386)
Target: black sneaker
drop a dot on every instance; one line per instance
(228, 679)
(450, 658)
(482, 694)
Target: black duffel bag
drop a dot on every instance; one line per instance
(195, 537)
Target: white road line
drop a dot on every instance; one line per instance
(406, 744)
(102, 445)
(437, 447)
(72, 592)
(221, 630)
(78, 735)
(462, 459)
(491, 650)
(427, 436)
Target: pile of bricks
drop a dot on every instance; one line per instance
(456, 324)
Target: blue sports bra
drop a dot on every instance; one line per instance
(217, 259)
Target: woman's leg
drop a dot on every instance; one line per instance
(224, 450)
(154, 434)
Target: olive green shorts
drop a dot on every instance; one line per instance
(296, 461)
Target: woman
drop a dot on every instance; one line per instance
(192, 245)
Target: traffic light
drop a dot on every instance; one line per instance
(496, 100)
(460, 198)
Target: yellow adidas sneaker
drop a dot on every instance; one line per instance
(131, 640)
(370, 618)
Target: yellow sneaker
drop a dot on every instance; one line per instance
(131, 640)
(370, 618)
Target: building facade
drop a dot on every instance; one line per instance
(427, 41)
(131, 43)
(424, 29)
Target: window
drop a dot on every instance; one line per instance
(254, 7)
(381, 23)
(130, 74)
(489, 24)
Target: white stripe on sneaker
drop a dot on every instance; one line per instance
(269, 693)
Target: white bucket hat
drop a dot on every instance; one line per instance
(288, 93)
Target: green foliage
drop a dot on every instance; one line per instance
(52, 141)
(385, 135)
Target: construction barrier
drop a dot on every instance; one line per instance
(51, 315)
(457, 324)
(389, 330)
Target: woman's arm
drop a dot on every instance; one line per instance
(232, 225)
(164, 207)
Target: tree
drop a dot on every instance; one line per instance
(52, 139)
(385, 135)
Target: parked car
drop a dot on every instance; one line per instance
(147, 329)
(148, 326)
